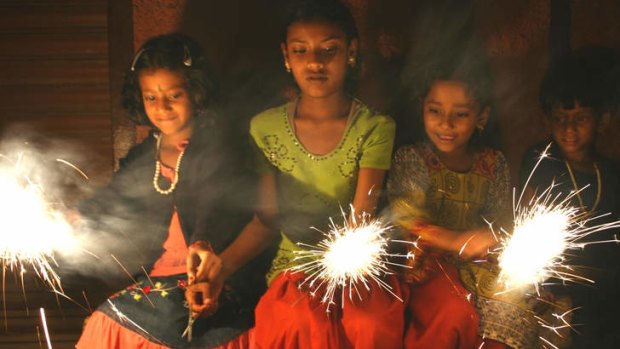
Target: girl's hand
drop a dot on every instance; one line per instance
(73, 217)
(474, 244)
(202, 298)
(202, 263)
(205, 277)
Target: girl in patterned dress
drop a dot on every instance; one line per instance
(443, 191)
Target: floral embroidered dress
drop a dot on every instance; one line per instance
(311, 189)
(422, 188)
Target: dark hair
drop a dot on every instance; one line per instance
(588, 76)
(176, 52)
(332, 12)
(471, 69)
(468, 66)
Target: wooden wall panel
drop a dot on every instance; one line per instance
(55, 76)
(55, 93)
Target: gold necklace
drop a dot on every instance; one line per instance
(175, 180)
(577, 189)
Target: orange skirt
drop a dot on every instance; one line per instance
(290, 318)
(442, 315)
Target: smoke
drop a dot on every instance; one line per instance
(44, 179)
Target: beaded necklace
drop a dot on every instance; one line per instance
(175, 180)
(577, 189)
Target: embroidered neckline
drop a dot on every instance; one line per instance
(288, 114)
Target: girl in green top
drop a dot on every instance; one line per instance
(324, 151)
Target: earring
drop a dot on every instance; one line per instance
(480, 128)
(351, 61)
(287, 66)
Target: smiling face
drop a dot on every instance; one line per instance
(167, 101)
(318, 53)
(451, 116)
(574, 130)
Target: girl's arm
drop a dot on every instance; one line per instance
(208, 271)
(258, 233)
(367, 191)
(467, 245)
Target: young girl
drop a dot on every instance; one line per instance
(172, 191)
(323, 151)
(441, 191)
(576, 96)
(317, 154)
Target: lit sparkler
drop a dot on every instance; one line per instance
(32, 231)
(351, 256)
(544, 231)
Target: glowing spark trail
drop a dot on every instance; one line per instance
(45, 330)
(349, 257)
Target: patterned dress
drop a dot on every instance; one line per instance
(312, 188)
(423, 189)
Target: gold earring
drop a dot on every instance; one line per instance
(351, 61)
(287, 66)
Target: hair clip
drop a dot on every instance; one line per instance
(187, 58)
(135, 59)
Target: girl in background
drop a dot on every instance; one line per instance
(174, 191)
(577, 96)
(441, 192)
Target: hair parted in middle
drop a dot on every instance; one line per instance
(176, 52)
(331, 12)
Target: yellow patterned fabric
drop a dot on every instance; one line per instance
(422, 188)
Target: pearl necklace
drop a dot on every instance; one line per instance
(577, 189)
(175, 180)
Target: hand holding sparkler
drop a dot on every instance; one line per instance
(205, 274)
(471, 244)
(202, 298)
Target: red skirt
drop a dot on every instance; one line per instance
(290, 318)
(442, 315)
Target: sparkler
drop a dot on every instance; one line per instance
(544, 231)
(32, 231)
(350, 256)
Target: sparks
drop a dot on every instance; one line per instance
(32, 230)
(350, 256)
(545, 230)
(45, 330)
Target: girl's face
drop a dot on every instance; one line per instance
(451, 116)
(574, 130)
(318, 54)
(167, 101)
